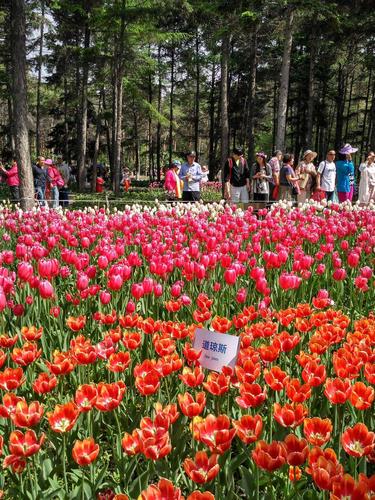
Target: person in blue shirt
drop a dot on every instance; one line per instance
(191, 174)
(345, 173)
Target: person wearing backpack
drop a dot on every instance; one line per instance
(55, 181)
(326, 175)
(236, 178)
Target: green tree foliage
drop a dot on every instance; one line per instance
(153, 73)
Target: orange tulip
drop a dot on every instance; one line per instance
(269, 456)
(296, 450)
(130, 443)
(76, 323)
(63, 417)
(44, 383)
(289, 415)
(85, 452)
(85, 397)
(217, 384)
(31, 333)
(357, 441)
(317, 430)
(109, 395)
(362, 396)
(27, 415)
(215, 432)
(190, 407)
(337, 390)
(11, 379)
(8, 407)
(202, 469)
(27, 354)
(248, 428)
(164, 489)
(24, 444)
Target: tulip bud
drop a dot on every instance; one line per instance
(105, 297)
(130, 307)
(241, 295)
(82, 282)
(25, 271)
(137, 290)
(230, 276)
(45, 289)
(115, 282)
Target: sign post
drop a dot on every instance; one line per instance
(218, 349)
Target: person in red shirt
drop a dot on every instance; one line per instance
(12, 180)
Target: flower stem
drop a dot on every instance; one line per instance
(64, 464)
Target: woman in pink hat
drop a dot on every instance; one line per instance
(54, 181)
(345, 173)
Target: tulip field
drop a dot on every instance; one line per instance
(102, 393)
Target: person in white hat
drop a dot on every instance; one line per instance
(307, 173)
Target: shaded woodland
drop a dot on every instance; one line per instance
(135, 83)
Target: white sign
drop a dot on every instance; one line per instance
(218, 349)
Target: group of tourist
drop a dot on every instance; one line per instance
(280, 178)
(51, 181)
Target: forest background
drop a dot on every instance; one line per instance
(138, 82)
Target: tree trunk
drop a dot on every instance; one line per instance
(284, 82)
(372, 121)
(82, 132)
(66, 125)
(197, 94)
(171, 100)
(274, 116)
(119, 75)
(12, 143)
(349, 105)
(19, 92)
(225, 52)
(158, 128)
(96, 145)
(39, 84)
(136, 142)
(340, 104)
(251, 95)
(149, 134)
(211, 156)
(310, 93)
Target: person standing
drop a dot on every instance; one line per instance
(237, 178)
(191, 174)
(276, 164)
(344, 173)
(367, 182)
(205, 173)
(307, 174)
(40, 180)
(326, 175)
(172, 183)
(64, 170)
(288, 178)
(12, 180)
(54, 182)
(261, 177)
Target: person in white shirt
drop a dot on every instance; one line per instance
(326, 175)
(367, 182)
